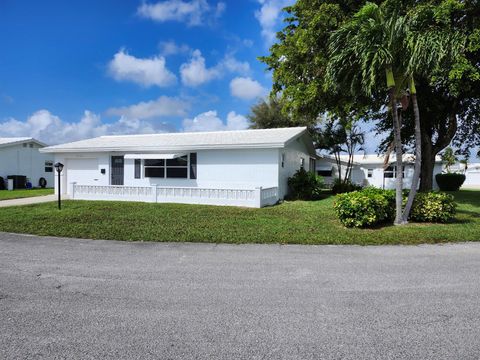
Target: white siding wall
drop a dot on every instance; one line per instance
(293, 153)
(19, 160)
(238, 169)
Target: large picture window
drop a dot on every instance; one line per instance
(154, 168)
(171, 168)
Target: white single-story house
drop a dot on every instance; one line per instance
(368, 170)
(472, 174)
(21, 156)
(244, 168)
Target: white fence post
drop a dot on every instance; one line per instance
(72, 189)
(258, 197)
(154, 193)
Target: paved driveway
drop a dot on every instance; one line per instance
(64, 298)
(28, 200)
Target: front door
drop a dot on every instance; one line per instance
(117, 170)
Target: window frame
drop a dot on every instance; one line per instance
(393, 171)
(166, 167)
(369, 173)
(48, 166)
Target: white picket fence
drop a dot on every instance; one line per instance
(256, 198)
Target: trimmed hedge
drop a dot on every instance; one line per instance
(450, 181)
(372, 206)
(305, 185)
(433, 207)
(2, 183)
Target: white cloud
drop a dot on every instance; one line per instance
(172, 48)
(146, 72)
(269, 17)
(195, 72)
(50, 129)
(246, 88)
(230, 63)
(209, 121)
(193, 13)
(163, 106)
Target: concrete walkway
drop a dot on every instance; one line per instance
(28, 201)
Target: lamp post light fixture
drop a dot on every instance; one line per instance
(59, 167)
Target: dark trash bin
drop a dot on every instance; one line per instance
(19, 181)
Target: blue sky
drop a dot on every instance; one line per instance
(77, 69)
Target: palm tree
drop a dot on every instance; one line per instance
(364, 47)
(378, 39)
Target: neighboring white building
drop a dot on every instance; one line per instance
(21, 156)
(368, 170)
(472, 174)
(245, 168)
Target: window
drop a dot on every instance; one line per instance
(138, 168)
(193, 165)
(312, 165)
(302, 163)
(24, 145)
(48, 166)
(391, 172)
(31, 145)
(283, 160)
(325, 173)
(369, 173)
(154, 168)
(170, 168)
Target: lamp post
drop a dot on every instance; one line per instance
(59, 167)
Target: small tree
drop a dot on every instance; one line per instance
(449, 159)
(339, 136)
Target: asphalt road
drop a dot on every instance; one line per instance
(83, 299)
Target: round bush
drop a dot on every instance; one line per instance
(362, 208)
(433, 207)
(450, 182)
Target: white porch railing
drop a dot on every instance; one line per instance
(257, 197)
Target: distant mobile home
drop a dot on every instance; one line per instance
(369, 170)
(244, 168)
(21, 156)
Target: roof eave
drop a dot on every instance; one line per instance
(159, 148)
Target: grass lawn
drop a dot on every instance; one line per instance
(17, 194)
(298, 222)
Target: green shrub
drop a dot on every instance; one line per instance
(364, 208)
(450, 182)
(305, 185)
(372, 206)
(340, 187)
(2, 183)
(433, 207)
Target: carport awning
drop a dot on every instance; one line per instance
(154, 156)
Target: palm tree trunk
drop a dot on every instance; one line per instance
(399, 162)
(418, 155)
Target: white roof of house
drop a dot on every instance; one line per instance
(373, 159)
(254, 138)
(7, 141)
